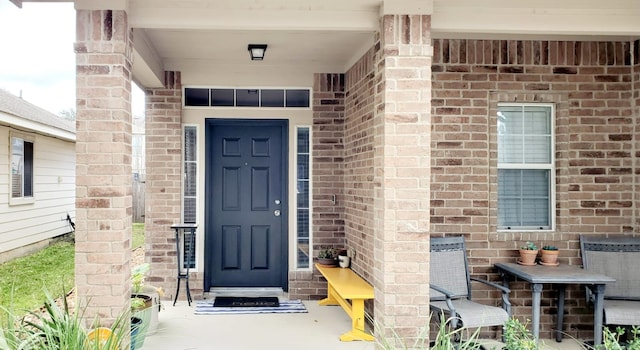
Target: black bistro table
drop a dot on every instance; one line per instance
(559, 276)
(185, 238)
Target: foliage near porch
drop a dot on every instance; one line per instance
(23, 281)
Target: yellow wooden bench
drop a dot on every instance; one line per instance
(347, 289)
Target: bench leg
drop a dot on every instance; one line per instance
(355, 311)
(357, 323)
(330, 299)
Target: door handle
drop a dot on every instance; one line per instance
(276, 212)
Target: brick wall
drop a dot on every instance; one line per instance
(358, 161)
(636, 99)
(163, 133)
(103, 163)
(591, 85)
(401, 181)
(327, 178)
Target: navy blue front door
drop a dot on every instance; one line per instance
(246, 211)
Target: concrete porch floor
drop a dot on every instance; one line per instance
(180, 329)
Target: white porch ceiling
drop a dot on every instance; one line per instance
(306, 36)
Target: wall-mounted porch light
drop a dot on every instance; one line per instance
(257, 51)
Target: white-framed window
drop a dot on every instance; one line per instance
(21, 172)
(303, 197)
(526, 174)
(189, 193)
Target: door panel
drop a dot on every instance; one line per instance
(246, 221)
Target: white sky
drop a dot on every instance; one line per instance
(37, 58)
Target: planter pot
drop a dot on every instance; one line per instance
(155, 307)
(144, 314)
(327, 262)
(344, 261)
(136, 334)
(549, 257)
(528, 257)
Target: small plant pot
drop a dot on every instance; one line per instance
(549, 257)
(136, 334)
(528, 257)
(344, 261)
(327, 262)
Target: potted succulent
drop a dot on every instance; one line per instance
(528, 254)
(328, 256)
(549, 255)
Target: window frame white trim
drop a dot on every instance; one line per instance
(310, 209)
(551, 166)
(31, 138)
(199, 241)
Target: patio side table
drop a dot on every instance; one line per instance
(185, 238)
(559, 276)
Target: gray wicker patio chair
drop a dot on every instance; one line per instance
(450, 284)
(617, 257)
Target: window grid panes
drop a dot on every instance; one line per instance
(525, 166)
(251, 97)
(189, 195)
(303, 198)
(21, 168)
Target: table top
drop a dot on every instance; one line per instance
(346, 282)
(184, 226)
(554, 274)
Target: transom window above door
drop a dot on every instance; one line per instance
(247, 97)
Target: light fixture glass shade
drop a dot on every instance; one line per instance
(257, 51)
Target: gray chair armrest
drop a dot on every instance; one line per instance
(506, 304)
(449, 298)
(448, 294)
(492, 284)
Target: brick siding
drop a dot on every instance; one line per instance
(591, 85)
(163, 185)
(103, 163)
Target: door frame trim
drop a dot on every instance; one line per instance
(211, 123)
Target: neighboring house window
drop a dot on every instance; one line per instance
(189, 198)
(525, 166)
(21, 168)
(303, 190)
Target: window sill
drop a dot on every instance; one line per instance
(21, 201)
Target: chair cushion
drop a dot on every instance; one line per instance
(473, 314)
(622, 312)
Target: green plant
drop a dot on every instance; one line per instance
(58, 328)
(615, 340)
(517, 336)
(549, 247)
(529, 246)
(446, 338)
(138, 274)
(328, 253)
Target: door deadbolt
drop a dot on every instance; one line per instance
(276, 212)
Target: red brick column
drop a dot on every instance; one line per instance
(162, 189)
(402, 176)
(103, 163)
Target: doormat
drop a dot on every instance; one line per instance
(246, 302)
(206, 307)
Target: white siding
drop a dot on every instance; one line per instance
(54, 192)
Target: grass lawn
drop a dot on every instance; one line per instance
(23, 281)
(138, 236)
